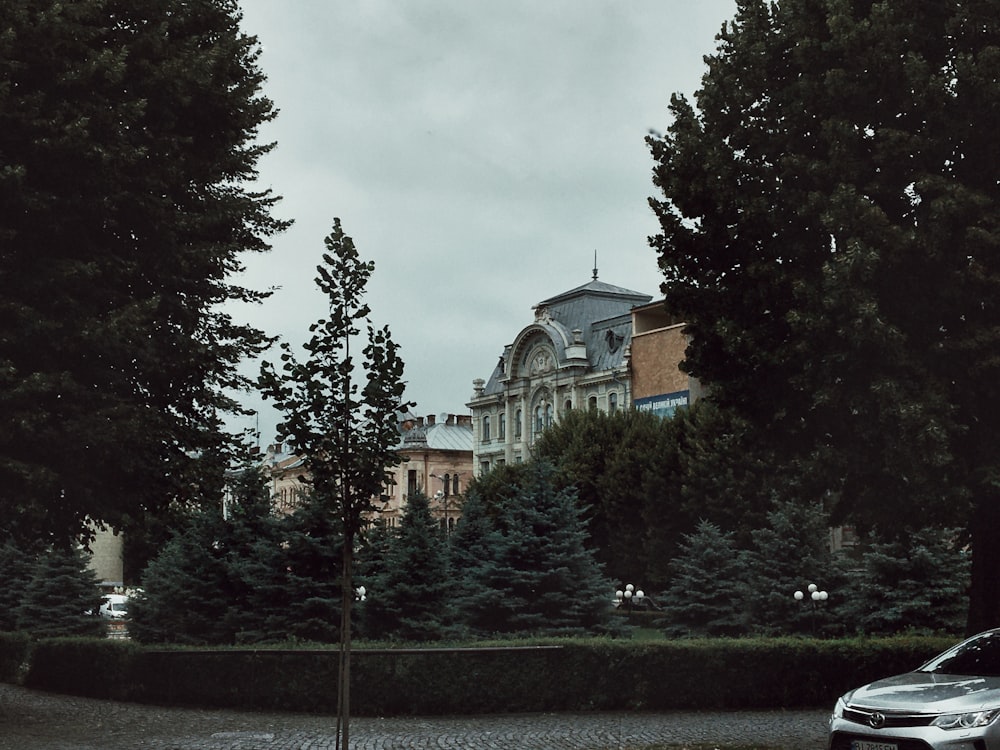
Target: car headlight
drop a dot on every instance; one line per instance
(841, 705)
(968, 720)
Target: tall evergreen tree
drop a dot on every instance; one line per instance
(789, 554)
(187, 591)
(256, 562)
(16, 563)
(535, 574)
(706, 596)
(62, 597)
(829, 220)
(312, 585)
(343, 422)
(127, 132)
(916, 584)
(411, 598)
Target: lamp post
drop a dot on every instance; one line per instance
(629, 596)
(443, 494)
(816, 596)
(443, 499)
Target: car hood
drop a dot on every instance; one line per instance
(924, 692)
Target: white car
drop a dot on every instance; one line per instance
(950, 703)
(114, 606)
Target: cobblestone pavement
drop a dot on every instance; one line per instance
(30, 720)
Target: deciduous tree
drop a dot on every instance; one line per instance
(829, 222)
(341, 420)
(127, 135)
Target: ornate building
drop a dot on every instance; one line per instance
(436, 455)
(437, 461)
(575, 355)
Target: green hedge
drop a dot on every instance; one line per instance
(569, 675)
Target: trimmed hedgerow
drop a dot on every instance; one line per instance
(555, 675)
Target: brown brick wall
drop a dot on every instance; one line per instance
(655, 359)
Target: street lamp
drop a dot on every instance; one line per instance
(630, 596)
(443, 494)
(816, 596)
(443, 499)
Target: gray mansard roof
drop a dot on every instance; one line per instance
(597, 314)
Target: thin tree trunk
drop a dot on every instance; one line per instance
(984, 590)
(344, 670)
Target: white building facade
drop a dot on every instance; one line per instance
(575, 355)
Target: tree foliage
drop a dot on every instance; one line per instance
(916, 584)
(187, 592)
(706, 592)
(644, 482)
(411, 598)
(62, 597)
(127, 130)
(829, 222)
(342, 421)
(526, 568)
(789, 554)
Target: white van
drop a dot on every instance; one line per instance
(114, 606)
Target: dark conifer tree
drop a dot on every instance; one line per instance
(915, 585)
(16, 564)
(411, 598)
(314, 557)
(536, 574)
(789, 554)
(62, 597)
(187, 591)
(706, 595)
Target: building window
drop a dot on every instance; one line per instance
(612, 402)
(447, 484)
(484, 467)
(454, 485)
(518, 419)
(568, 406)
(502, 426)
(592, 403)
(411, 482)
(486, 429)
(548, 416)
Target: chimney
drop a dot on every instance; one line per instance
(430, 419)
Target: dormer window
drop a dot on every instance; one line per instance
(614, 341)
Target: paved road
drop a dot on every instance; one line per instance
(31, 720)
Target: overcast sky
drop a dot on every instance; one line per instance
(479, 152)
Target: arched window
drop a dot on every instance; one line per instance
(568, 406)
(518, 419)
(454, 484)
(612, 402)
(548, 416)
(486, 429)
(592, 403)
(447, 484)
(501, 426)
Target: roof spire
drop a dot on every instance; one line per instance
(595, 265)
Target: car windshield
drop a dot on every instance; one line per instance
(979, 656)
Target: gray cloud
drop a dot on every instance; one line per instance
(478, 152)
